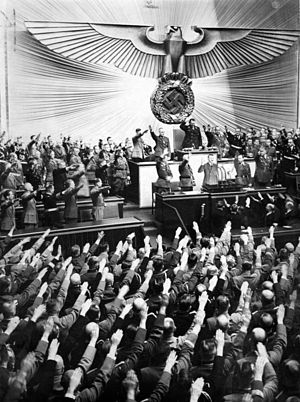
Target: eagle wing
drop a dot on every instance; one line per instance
(221, 49)
(129, 48)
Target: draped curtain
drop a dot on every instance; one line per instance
(51, 94)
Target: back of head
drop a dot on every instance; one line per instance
(291, 374)
(185, 302)
(243, 373)
(222, 304)
(75, 279)
(267, 296)
(192, 260)
(266, 321)
(247, 265)
(169, 327)
(92, 263)
(158, 264)
(258, 335)
(223, 322)
(75, 250)
(289, 247)
(208, 350)
(283, 254)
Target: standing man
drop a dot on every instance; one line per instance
(186, 177)
(236, 142)
(210, 170)
(98, 200)
(243, 172)
(138, 152)
(164, 174)
(162, 142)
(8, 213)
(192, 137)
(264, 169)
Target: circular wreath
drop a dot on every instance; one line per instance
(182, 84)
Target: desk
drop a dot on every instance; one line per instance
(143, 174)
(81, 233)
(191, 206)
(291, 182)
(188, 205)
(281, 234)
(113, 209)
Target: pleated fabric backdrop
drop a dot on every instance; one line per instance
(51, 94)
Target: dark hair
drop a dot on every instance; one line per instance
(204, 242)
(192, 260)
(185, 302)
(222, 304)
(103, 246)
(246, 266)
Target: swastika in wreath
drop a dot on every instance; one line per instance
(173, 100)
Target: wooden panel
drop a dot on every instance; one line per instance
(81, 233)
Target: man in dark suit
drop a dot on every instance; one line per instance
(192, 137)
(162, 143)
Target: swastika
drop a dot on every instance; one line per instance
(174, 101)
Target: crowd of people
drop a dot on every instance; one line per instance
(48, 171)
(201, 320)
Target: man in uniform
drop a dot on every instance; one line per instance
(192, 137)
(210, 170)
(236, 142)
(164, 174)
(138, 152)
(162, 143)
(243, 172)
(186, 177)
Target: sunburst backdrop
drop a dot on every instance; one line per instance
(51, 94)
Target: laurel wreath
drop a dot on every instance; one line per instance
(168, 81)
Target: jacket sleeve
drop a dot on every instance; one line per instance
(28, 293)
(279, 346)
(92, 394)
(161, 388)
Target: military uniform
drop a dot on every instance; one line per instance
(138, 152)
(186, 176)
(192, 137)
(211, 176)
(161, 143)
(264, 170)
(8, 219)
(243, 173)
(98, 203)
(30, 212)
(164, 173)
